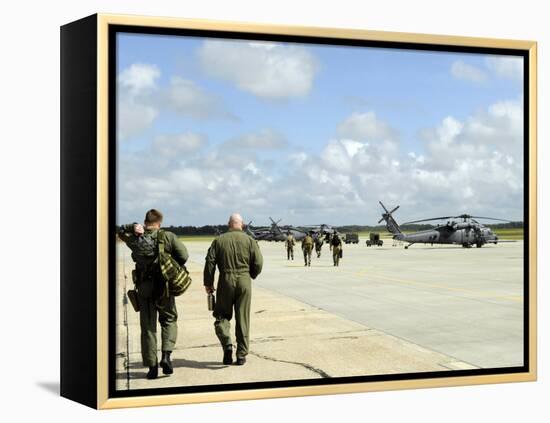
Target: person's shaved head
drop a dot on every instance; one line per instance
(236, 221)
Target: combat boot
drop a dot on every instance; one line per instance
(166, 363)
(240, 361)
(228, 355)
(153, 372)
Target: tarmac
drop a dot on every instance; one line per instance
(384, 310)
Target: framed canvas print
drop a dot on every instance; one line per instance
(257, 211)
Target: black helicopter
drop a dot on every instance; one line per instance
(280, 233)
(274, 232)
(465, 231)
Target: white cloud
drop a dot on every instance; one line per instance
(175, 145)
(185, 97)
(509, 67)
(141, 100)
(297, 159)
(251, 167)
(138, 77)
(467, 72)
(265, 139)
(366, 127)
(134, 117)
(471, 165)
(267, 70)
(136, 109)
(476, 164)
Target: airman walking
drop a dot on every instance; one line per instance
(307, 247)
(152, 299)
(239, 260)
(289, 243)
(319, 244)
(336, 246)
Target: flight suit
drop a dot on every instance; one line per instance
(239, 260)
(152, 302)
(318, 245)
(290, 242)
(336, 244)
(307, 247)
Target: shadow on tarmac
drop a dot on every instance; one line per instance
(177, 363)
(192, 364)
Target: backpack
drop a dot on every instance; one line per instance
(144, 249)
(175, 276)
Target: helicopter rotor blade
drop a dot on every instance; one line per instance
(393, 210)
(428, 220)
(490, 218)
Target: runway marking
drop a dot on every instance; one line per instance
(515, 298)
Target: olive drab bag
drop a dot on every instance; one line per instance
(175, 276)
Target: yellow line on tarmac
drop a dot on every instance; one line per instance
(515, 298)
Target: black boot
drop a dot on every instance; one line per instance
(228, 355)
(166, 363)
(240, 361)
(153, 372)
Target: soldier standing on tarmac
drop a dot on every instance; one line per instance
(336, 245)
(307, 247)
(239, 260)
(289, 243)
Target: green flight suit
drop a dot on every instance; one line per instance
(290, 242)
(239, 260)
(152, 302)
(318, 245)
(307, 248)
(336, 244)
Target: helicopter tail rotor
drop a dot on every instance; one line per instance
(391, 224)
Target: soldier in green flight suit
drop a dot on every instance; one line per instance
(289, 243)
(319, 244)
(336, 246)
(152, 300)
(239, 260)
(307, 247)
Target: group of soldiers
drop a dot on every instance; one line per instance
(238, 259)
(309, 242)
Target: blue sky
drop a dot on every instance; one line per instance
(303, 108)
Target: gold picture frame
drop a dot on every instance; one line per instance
(98, 27)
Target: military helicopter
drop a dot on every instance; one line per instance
(279, 233)
(258, 233)
(322, 230)
(465, 231)
(273, 232)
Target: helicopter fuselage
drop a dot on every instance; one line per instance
(467, 232)
(446, 234)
